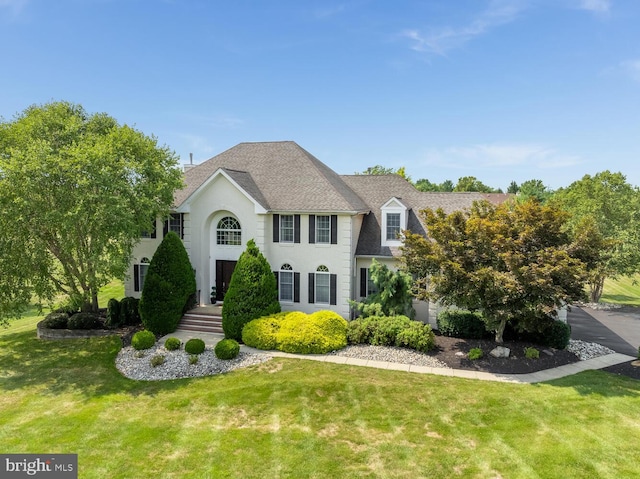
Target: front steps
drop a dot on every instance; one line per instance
(204, 319)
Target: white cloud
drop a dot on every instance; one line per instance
(443, 39)
(631, 68)
(499, 155)
(596, 6)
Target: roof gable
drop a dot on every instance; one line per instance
(281, 176)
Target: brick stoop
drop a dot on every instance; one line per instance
(201, 322)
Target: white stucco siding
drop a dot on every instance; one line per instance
(221, 198)
(305, 258)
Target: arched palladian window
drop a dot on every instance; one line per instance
(285, 282)
(140, 273)
(229, 232)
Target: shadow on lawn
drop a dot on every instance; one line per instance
(599, 383)
(79, 365)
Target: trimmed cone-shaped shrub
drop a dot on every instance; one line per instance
(252, 292)
(169, 284)
(113, 313)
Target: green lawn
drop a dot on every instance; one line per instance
(624, 290)
(298, 419)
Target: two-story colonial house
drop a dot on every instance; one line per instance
(319, 230)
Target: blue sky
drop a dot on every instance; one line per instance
(498, 89)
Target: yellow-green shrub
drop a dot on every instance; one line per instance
(297, 332)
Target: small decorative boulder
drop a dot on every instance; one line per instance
(500, 352)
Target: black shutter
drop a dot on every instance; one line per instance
(165, 228)
(136, 277)
(153, 230)
(296, 228)
(363, 282)
(334, 229)
(312, 229)
(296, 287)
(181, 225)
(276, 228)
(333, 282)
(275, 273)
(312, 288)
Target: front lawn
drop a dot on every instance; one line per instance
(296, 418)
(625, 290)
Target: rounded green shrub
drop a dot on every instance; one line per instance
(531, 353)
(227, 349)
(113, 314)
(317, 333)
(297, 332)
(557, 335)
(55, 321)
(261, 333)
(194, 346)
(157, 360)
(143, 340)
(458, 323)
(171, 344)
(475, 353)
(391, 331)
(417, 336)
(83, 321)
(252, 292)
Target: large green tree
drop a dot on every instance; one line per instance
(510, 262)
(76, 191)
(471, 183)
(609, 207)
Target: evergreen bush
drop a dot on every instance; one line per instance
(227, 349)
(297, 332)
(114, 317)
(83, 321)
(475, 353)
(55, 320)
(129, 313)
(391, 331)
(194, 346)
(252, 292)
(143, 340)
(460, 323)
(168, 285)
(557, 335)
(172, 344)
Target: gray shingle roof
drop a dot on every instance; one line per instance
(376, 190)
(281, 176)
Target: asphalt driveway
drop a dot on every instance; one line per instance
(615, 329)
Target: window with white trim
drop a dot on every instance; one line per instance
(140, 273)
(323, 285)
(175, 223)
(393, 226)
(285, 283)
(286, 229)
(228, 232)
(323, 229)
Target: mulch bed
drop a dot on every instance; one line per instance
(453, 352)
(625, 369)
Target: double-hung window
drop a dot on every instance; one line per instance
(140, 273)
(323, 285)
(286, 229)
(393, 226)
(323, 229)
(285, 283)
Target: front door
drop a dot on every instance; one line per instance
(224, 270)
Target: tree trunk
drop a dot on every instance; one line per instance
(500, 331)
(596, 290)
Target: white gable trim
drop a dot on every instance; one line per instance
(396, 208)
(185, 207)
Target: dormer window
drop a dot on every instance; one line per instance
(394, 220)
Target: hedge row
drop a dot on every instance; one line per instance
(391, 331)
